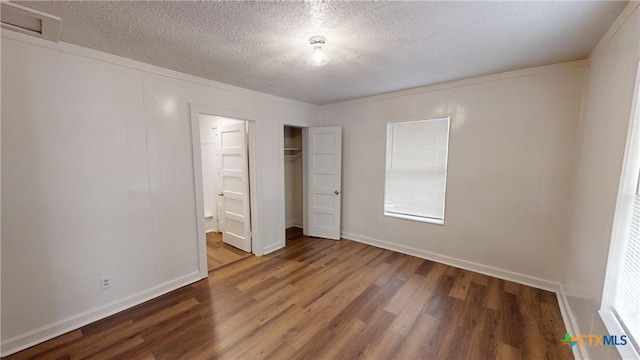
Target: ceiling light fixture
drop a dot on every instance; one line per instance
(319, 57)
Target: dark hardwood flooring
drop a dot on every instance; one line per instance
(220, 254)
(324, 299)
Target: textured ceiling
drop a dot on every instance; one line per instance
(375, 47)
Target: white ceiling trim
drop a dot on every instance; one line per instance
(533, 71)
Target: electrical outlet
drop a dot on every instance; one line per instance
(105, 283)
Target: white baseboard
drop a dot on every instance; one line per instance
(565, 310)
(58, 328)
(210, 225)
(293, 224)
(569, 320)
(463, 264)
(273, 247)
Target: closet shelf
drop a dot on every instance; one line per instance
(292, 157)
(292, 153)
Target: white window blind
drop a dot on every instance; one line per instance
(416, 169)
(626, 303)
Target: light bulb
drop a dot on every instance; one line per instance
(318, 58)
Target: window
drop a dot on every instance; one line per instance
(621, 297)
(626, 302)
(416, 170)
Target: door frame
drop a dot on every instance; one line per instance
(256, 239)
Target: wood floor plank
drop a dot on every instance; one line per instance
(494, 291)
(141, 356)
(376, 304)
(404, 294)
(512, 331)
(326, 299)
(425, 267)
(97, 342)
(329, 344)
(325, 308)
(372, 334)
(414, 346)
(263, 340)
(487, 337)
(283, 351)
(48, 347)
(196, 336)
(461, 284)
(506, 352)
(481, 279)
(344, 317)
(243, 323)
(347, 344)
(386, 348)
(436, 304)
(171, 325)
(553, 329)
(313, 289)
(473, 325)
(391, 269)
(510, 287)
(409, 267)
(114, 351)
(412, 308)
(449, 341)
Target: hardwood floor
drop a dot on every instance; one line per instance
(324, 299)
(220, 254)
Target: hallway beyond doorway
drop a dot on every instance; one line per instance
(220, 254)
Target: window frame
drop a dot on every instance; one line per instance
(623, 211)
(388, 155)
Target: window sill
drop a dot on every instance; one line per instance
(415, 218)
(614, 327)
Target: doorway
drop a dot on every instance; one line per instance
(293, 183)
(224, 155)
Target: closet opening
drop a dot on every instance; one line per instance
(293, 182)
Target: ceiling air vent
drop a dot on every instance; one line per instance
(28, 21)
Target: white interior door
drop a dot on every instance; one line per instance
(233, 185)
(322, 148)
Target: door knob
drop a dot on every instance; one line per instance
(220, 193)
(337, 192)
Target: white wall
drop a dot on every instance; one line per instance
(293, 177)
(602, 138)
(98, 181)
(510, 159)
